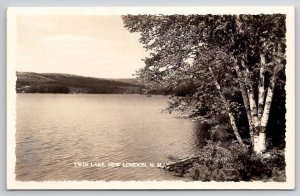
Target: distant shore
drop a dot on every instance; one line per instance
(30, 82)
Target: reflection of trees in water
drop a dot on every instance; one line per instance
(201, 133)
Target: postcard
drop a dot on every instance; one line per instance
(150, 98)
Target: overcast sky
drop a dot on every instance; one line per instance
(97, 46)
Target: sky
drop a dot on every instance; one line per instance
(97, 46)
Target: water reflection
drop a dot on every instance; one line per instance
(54, 131)
(201, 133)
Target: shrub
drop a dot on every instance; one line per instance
(218, 163)
(215, 163)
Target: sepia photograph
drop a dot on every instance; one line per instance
(151, 98)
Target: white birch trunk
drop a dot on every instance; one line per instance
(259, 136)
(261, 86)
(269, 98)
(246, 101)
(252, 103)
(253, 109)
(231, 117)
(255, 121)
(259, 143)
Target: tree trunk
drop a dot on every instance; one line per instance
(261, 86)
(231, 117)
(270, 91)
(261, 138)
(259, 143)
(250, 92)
(245, 100)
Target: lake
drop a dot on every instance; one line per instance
(57, 132)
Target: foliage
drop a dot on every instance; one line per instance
(189, 54)
(216, 162)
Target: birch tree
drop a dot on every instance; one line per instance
(219, 58)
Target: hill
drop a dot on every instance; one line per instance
(29, 82)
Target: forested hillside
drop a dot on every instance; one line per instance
(29, 82)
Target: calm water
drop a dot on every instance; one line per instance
(54, 131)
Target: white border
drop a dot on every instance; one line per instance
(11, 97)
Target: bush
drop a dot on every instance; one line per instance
(215, 163)
(267, 167)
(218, 163)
